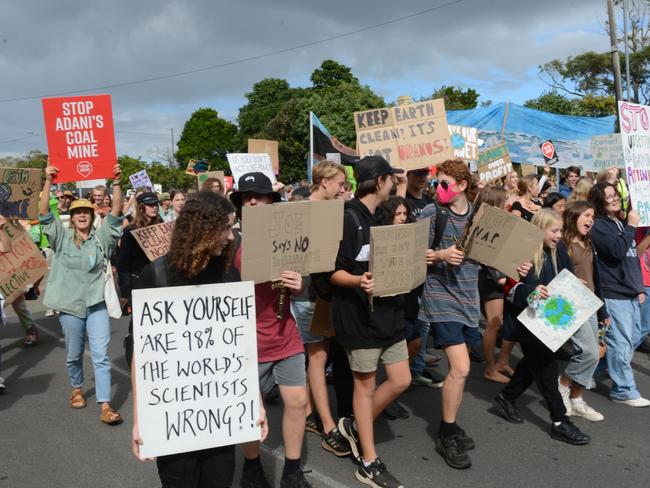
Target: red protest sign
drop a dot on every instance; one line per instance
(80, 137)
(548, 151)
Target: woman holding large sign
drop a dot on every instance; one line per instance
(76, 288)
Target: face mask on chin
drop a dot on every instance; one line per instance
(446, 195)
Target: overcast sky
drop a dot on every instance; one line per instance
(54, 46)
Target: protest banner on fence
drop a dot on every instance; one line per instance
(408, 136)
(196, 367)
(141, 180)
(464, 141)
(20, 266)
(154, 239)
(606, 152)
(263, 146)
(570, 304)
(290, 237)
(494, 163)
(201, 177)
(19, 192)
(397, 259)
(635, 141)
(241, 163)
(80, 137)
(502, 240)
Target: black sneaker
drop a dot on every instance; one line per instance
(377, 476)
(451, 448)
(295, 480)
(314, 424)
(436, 378)
(396, 411)
(335, 443)
(467, 442)
(568, 432)
(507, 409)
(253, 476)
(347, 430)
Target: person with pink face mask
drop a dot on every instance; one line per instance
(450, 301)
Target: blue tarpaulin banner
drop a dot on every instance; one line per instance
(526, 129)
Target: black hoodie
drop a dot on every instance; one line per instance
(618, 264)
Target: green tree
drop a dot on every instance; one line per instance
(553, 102)
(456, 98)
(588, 105)
(264, 102)
(206, 136)
(33, 159)
(330, 74)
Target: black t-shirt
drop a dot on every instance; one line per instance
(417, 204)
(355, 324)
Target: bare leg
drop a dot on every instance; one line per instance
(293, 419)
(452, 390)
(317, 354)
(494, 317)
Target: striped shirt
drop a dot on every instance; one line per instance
(450, 292)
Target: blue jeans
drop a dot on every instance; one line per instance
(625, 318)
(97, 327)
(418, 364)
(644, 330)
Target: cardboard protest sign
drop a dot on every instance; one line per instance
(263, 146)
(19, 192)
(154, 239)
(502, 240)
(80, 137)
(321, 321)
(635, 141)
(528, 169)
(464, 141)
(196, 367)
(228, 182)
(157, 188)
(408, 136)
(20, 266)
(296, 236)
(195, 167)
(140, 180)
(606, 152)
(494, 163)
(201, 177)
(548, 151)
(397, 257)
(241, 163)
(570, 304)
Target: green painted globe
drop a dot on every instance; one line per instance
(558, 313)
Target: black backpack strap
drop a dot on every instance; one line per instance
(442, 215)
(160, 272)
(358, 243)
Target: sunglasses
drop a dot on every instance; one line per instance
(443, 184)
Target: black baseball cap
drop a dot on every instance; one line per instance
(254, 183)
(148, 198)
(371, 167)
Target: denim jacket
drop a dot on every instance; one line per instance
(76, 279)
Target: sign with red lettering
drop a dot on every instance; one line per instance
(635, 142)
(548, 151)
(80, 137)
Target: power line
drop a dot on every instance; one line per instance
(166, 134)
(237, 61)
(19, 139)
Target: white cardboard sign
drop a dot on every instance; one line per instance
(242, 163)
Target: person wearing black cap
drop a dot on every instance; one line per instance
(280, 352)
(368, 333)
(131, 259)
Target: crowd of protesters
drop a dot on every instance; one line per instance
(465, 310)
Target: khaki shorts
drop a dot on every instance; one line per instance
(366, 360)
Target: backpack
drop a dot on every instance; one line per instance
(160, 281)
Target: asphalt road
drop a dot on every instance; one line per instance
(44, 443)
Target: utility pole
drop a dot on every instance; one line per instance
(173, 161)
(627, 57)
(615, 60)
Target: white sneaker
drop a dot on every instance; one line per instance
(565, 391)
(580, 408)
(49, 312)
(634, 402)
(2, 383)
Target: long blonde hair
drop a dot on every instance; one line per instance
(544, 219)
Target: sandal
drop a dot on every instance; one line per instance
(110, 416)
(31, 337)
(77, 399)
